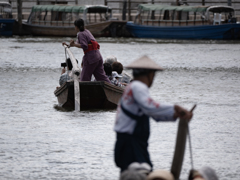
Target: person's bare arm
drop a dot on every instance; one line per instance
(73, 44)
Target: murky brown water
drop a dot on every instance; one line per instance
(38, 141)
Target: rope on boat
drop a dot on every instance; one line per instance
(76, 71)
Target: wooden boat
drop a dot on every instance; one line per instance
(6, 20)
(184, 22)
(58, 20)
(93, 95)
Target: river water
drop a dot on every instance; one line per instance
(39, 141)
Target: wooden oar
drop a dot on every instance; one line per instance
(76, 73)
(180, 147)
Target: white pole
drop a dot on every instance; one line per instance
(76, 71)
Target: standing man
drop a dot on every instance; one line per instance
(136, 106)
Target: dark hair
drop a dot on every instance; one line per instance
(69, 63)
(80, 24)
(141, 72)
(107, 69)
(117, 66)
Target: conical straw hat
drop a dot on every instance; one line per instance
(144, 62)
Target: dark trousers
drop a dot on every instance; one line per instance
(95, 69)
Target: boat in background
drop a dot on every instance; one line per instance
(6, 19)
(184, 22)
(58, 20)
(93, 95)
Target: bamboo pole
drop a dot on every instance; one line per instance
(76, 71)
(19, 10)
(180, 147)
(129, 10)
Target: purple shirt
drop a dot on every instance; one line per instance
(84, 38)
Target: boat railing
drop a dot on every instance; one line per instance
(198, 20)
(53, 23)
(172, 22)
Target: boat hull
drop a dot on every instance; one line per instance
(97, 29)
(6, 27)
(224, 31)
(93, 95)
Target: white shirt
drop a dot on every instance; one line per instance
(136, 99)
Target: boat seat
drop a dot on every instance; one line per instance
(217, 18)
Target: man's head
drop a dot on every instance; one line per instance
(147, 74)
(117, 66)
(79, 25)
(108, 69)
(144, 70)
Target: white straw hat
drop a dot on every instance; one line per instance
(144, 62)
(116, 75)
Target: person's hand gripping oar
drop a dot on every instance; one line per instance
(185, 116)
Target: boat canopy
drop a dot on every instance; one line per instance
(69, 13)
(5, 4)
(220, 9)
(5, 10)
(72, 8)
(161, 7)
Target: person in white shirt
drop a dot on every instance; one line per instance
(132, 119)
(66, 75)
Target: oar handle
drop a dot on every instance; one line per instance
(183, 113)
(193, 108)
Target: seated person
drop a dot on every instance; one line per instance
(160, 174)
(116, 75)
(67, 75)
(113, 80)
(118, 67)
(205, 173)
(110, 60)
(136, 171)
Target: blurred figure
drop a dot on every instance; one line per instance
(130, 174)
(132, 125)
(110, 60)
(160, 175)
(112, 75)
(205, 173)
(67, 75)
(118, 67)
(136, 171)
(143, 168)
